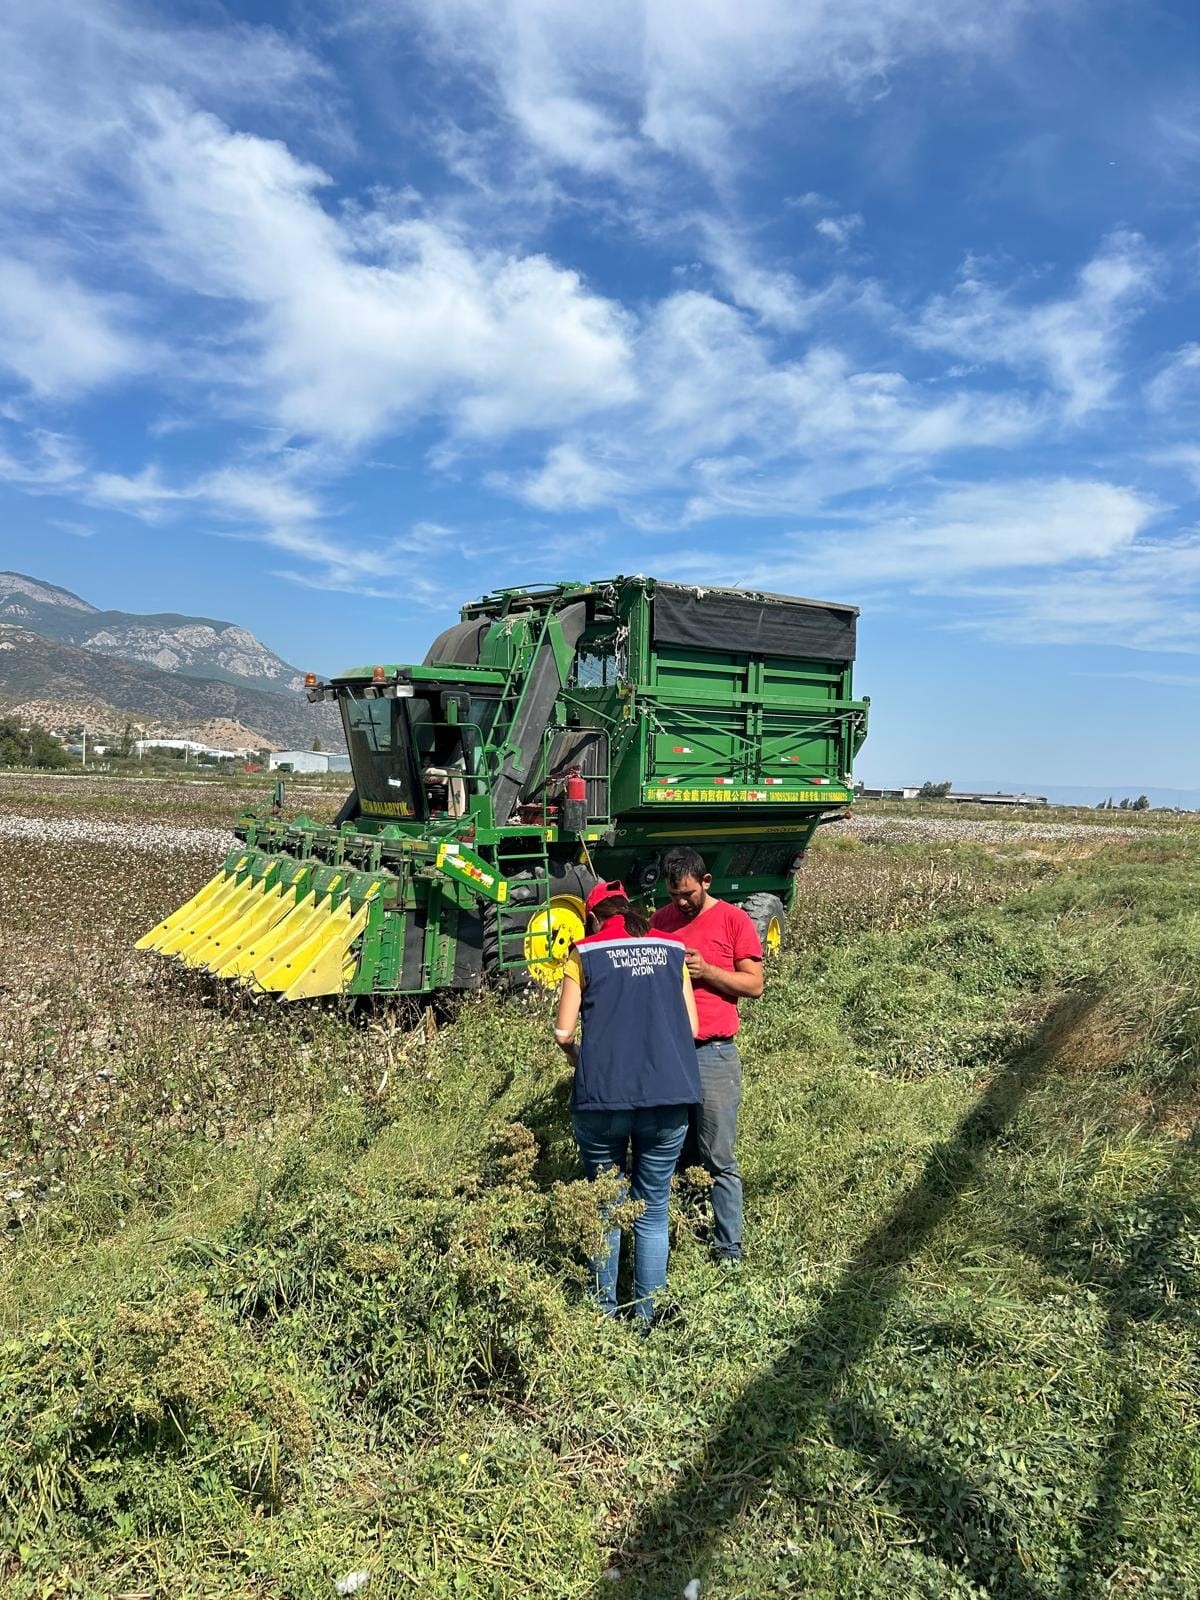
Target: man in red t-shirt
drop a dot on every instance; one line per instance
(724, 957)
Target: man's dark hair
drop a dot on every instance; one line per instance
(683, 862)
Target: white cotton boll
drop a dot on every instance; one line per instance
(692, 1590)
(352, 1582)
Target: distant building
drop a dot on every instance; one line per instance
(965, 796)
(969, 798)
(191, 749)
(302, 761)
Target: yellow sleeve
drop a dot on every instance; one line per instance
(687, 980)
(573, 968)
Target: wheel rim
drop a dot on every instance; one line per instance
(549, 937)
(773, 937)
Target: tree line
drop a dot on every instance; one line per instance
(29, 746)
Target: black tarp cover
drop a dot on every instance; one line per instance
(764, 625)
(460, 644)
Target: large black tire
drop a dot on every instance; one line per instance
(766, 912)
(569, 880)
(512, 979)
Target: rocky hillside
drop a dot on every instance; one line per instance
(36, 670)
(199, 647)
(107, 724)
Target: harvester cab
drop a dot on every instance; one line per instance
(554, 735)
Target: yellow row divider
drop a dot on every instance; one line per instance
(331, 968)
(265, 938)
(280, 933)
(294, 933)
(224, 882)
(218, 910)
(190, 947)
(294, 955)
(222, 942)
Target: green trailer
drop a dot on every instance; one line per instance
(555, 735)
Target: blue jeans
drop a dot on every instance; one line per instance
(656, 1134)
(716, 1130)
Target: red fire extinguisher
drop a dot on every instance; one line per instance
(575, 802)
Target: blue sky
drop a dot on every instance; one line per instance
(326, 317)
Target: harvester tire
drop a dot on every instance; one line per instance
(565, 880)
(767, 913)
(495, 976)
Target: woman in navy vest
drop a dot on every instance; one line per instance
(635, 1074)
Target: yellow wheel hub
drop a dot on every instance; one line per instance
(549, 937)
(773, 937)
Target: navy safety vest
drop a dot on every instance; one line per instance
(636, 1047)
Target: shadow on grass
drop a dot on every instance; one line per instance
(672, 1540)
(1140, 1262)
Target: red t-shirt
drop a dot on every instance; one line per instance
(724, 935)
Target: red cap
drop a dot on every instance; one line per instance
(604, 891)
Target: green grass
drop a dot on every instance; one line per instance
(286, 1295)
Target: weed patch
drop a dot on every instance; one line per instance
(290, 1294)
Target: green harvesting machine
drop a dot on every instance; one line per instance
(555, 735)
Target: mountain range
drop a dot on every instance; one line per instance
(198, 647)
(162, 672)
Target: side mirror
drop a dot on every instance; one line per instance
(456, 706)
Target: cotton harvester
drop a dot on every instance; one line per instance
(556, 734)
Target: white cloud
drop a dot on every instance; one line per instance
(266, 504)
(46, 463)
(231, 493)
(357, 325)
(71, 71)
(602, 88)
(568, 480)
(776, 296)
(1177, 382)
(1147, 597)
(1034, 562)
(1177, 129)
(724, 425)
(1001, 526)
(962, 530)
(57, 337)
(396, 568)
(1185, 457)
(839, 230)
(1073, 340)
(1181, 680)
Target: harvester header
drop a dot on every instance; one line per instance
(554, 735)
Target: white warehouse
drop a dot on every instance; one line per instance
(308, 761)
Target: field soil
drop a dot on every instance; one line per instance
(293, 1296)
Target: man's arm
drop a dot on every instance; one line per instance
(744, 982)
(689, 1000)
